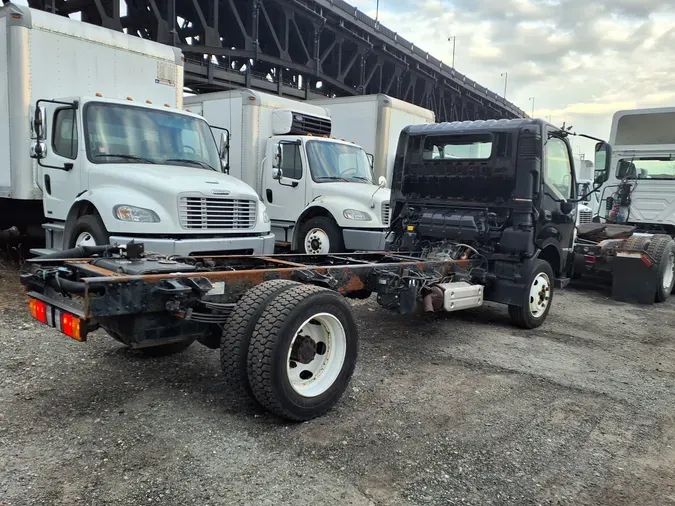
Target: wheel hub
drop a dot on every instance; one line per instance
(304, 350)
(316, 355)
(317, 242)
(540, 295)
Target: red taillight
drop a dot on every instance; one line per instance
(70, 326)
(590, 259)
(38, 310)
(646, 260)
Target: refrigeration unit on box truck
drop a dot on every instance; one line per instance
(96, 149)
(318, 190)
(375, 122)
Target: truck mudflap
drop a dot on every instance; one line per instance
(635, 277)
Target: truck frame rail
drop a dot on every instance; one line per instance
(205, 289)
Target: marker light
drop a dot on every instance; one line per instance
(38, 310)
(70, 326)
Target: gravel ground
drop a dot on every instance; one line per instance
(452, 409)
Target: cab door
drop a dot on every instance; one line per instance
(557, 219)
(60, 164)
(285, 181)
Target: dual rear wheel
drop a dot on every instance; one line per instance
(291, 347)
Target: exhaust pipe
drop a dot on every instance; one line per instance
(433, 301)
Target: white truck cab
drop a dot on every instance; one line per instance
(639, 187)
(115, 172)
(95, 148)
(319, 191)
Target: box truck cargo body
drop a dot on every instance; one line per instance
(318, 190)
(375, 122)
(95, 146)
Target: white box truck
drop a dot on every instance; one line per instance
(318, 190)
(95, 146)
(375, 122)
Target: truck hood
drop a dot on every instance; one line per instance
(170, 179)
(360, 192)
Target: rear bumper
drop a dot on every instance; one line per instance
(364, 239)
(259, 245)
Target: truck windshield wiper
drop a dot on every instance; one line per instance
(332, 178)
(193, 162)
(124, 157)
(361, 178)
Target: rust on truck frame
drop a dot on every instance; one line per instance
(110, 293)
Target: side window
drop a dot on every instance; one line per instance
(292, 164)
(64, 139)
(558, 169)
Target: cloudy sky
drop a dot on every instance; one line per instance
(581, 59)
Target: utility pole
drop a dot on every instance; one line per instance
(377, 10)
(532, 99)
(505, 75)
(454, 39)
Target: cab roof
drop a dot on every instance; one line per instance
(460, 127)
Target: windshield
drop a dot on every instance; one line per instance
(330, 161)
(646, 168)
(130, 134)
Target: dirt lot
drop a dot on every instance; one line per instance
(459, 409)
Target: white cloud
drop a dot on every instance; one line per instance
(581, 60)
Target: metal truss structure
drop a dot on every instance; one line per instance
(300, 48)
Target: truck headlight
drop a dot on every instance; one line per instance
(266, 218)
(135, 214)
(356, 215)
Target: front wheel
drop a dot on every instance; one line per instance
(89, 230)
(302, 352)
(537, 297)
(320, 236)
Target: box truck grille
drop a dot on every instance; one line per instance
(386, 212)
(585, 216)
(305, 124)
(210, 213)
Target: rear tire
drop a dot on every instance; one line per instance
(89, 230)
(662, 251)
(537, 297)
(303, 352)
(237, 334)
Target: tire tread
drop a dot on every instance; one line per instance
(262, 348)
(237, 334)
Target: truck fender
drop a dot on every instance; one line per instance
(550, 251)
(310, 211)
(103, 200)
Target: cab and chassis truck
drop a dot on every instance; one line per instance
(631, 238)
(481, 211)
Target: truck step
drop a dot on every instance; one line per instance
(38, 252)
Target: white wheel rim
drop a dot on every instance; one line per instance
(316, 355)
(540, 294)
(670, 272)
(85, 239)
(317, 242)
